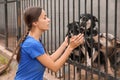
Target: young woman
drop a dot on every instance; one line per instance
(32, 57)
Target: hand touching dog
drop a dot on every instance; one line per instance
(74, 41)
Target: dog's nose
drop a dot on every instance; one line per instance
(100, 34)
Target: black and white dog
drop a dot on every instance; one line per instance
(86, 26)
(95, 43)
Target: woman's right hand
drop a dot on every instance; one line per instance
(76, 40)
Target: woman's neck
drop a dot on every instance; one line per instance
(35, 34)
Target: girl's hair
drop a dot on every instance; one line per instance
(31, 15)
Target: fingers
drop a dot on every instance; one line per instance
(66, 40)
(78, 38)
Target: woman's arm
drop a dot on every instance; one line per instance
(60, 50)
(56, 65)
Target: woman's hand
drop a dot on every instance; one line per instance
(76, 40)
(66, 41)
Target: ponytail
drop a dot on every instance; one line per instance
(18, 45)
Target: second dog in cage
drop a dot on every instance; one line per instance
(111, 50)
(94, 44)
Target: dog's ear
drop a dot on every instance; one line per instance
(69, 25)
(68, 32)
(118, 43)
(81, 15)
(95, 19)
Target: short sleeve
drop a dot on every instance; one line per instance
(37, 50)
(34, 49)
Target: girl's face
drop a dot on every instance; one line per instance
(43, 21)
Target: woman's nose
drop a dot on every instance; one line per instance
(48, 20)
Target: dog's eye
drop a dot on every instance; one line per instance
(84, 18)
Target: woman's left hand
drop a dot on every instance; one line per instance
(66, 41)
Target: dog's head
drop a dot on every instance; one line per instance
(106, 38)
(86, 25)
(88, 20)
(73, 29)
(106, 41)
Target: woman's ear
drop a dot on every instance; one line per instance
(34, 23)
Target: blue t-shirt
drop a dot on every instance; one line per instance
(29, 68)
